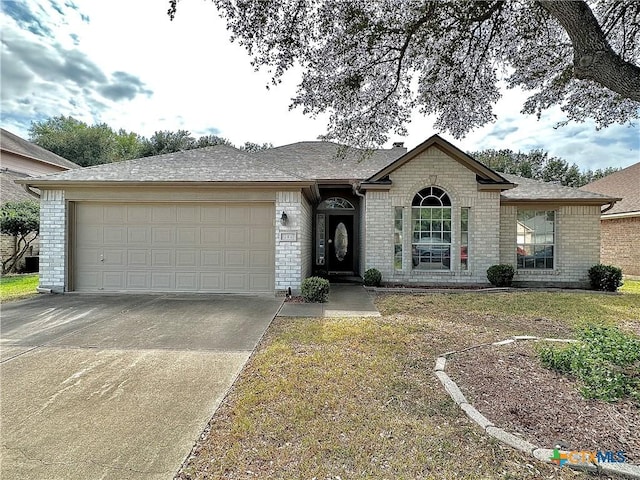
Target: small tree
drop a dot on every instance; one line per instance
(21, 220)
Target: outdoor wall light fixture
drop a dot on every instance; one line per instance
(284, 219)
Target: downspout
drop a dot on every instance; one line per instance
(31, 192)
(608, 207)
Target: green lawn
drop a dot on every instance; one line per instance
(356, 398)
(631, 286)
(14, 287)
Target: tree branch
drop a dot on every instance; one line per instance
(593, 57)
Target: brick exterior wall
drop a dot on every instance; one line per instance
(293, 257)
(619, 246)
(577, 245)
(53, 224)
(433, 168)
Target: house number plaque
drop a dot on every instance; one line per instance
(288, 236)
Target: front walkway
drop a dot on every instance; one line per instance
(345, 300)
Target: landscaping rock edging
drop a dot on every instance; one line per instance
(543, 454)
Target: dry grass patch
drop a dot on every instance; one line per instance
(356, 398)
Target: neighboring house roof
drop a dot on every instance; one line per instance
(220, 163)
(484, 174)
(328, 160)
(10, 191)
(12, 143)
(529, 190)
(624, 183)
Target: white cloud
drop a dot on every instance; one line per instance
(124, 63)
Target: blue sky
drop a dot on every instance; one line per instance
(125, 64)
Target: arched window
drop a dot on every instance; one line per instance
(431, 225)
(336, 203)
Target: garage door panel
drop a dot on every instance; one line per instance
(212, 214)
(174, 247)
(238, 215)
(138, 235)
(261, 259)
(186, 258)
(187, 214)
(234, 259)
(236, 282)
(90, 235)
(114, 235)
(113, 280)
(211, 281)
(163, 214)
(211, 258)
(261, 236)
(162, 258)
(236, 236)
(187, 281)
(112, 258)
(110, 214)
(163, 281)
(140, 214)
(136, 258)
(259, 282)
(187, 236)
(163, 236)
(211, 235)
(137, 280)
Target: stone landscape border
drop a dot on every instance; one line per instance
(543, 454)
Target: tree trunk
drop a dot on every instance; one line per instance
(593, 57)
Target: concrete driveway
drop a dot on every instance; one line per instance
(117, 386)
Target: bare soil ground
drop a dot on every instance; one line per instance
(508, 385)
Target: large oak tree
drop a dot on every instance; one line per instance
(370, 63)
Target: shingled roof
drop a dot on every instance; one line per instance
(624, 183)
(220, 163)
(14, 144)
(328, 160)
(529, 190)
(11, 192)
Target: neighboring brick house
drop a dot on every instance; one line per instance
(218, 219)
(21, 159)
(620, 225)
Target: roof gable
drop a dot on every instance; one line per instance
(484, 174)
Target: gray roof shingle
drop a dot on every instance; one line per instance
(13, 143)
(529, 189)
(219, 163)
(329, 161)
(625, 184)
(10, 191)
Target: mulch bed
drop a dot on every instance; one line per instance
(509, 386)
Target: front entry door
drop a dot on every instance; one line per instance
(341, 242)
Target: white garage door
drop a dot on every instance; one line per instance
(205, 247)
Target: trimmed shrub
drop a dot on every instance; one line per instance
(315, 289)
(501, 275)
(372, 277)
(605, 277)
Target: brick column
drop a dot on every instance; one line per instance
(53, 226)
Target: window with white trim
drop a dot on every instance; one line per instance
(535, 231)
(431, 230)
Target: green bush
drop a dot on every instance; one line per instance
(605, 277)
(501, 275)
(372, 277)
(606, 361)
(315, 289)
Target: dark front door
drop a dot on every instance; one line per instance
(341, 242)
